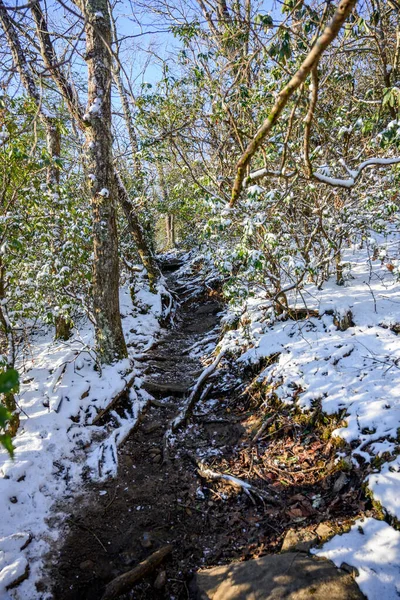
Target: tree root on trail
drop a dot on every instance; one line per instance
(246, 487)
(195, 395)
(123, 583)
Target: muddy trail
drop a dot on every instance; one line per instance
(158, 498)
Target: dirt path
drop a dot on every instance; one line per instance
(129, 517)
(154, 502)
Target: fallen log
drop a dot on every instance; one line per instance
(171, 388)
(123, 583)
(114, 400)
(249, 489)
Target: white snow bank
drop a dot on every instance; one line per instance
(60, 394)
(373, 548)
(355, 373)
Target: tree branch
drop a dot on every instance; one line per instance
(329, 34)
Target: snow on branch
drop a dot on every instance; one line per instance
(355, 174)
(261, 173)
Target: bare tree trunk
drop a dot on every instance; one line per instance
(145, 252)
(170, 230)
(62, 324)
(97, 125)
(109, 336)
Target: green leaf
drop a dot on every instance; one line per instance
(4, 416)
(5, 440)
(8, 381)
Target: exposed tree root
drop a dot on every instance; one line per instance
(195, 395)
(124, 582)
(246, 487)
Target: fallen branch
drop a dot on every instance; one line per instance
(195, 395)
(124, 582)
(263, 427)
(247, 488)
(114, 400)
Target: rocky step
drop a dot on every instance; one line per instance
(171, 388)
(289, 576)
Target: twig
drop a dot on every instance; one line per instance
(90, 531)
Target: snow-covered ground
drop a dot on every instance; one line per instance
(355, 372)
(373, 548)
(60, 395)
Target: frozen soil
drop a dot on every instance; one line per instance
(157, 499)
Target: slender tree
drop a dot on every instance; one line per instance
(109, 335)
(50, 124)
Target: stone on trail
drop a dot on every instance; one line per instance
(289, 576)
(301, 540)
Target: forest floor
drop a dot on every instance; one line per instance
(158, 497)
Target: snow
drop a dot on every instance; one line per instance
(373, 548)
(104, 192)
(93, 110)
(353, 373)
(354, 174)
(52, 452)
(255, 190)
(385, 487)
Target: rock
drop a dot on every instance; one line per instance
(154, 451)
(289, 576)
(353, 571)
(161, 580)
(343, 319)
(146, 540)
(300, 540)
(86, 565)
(151, 427)
(340, 482)
(323, 531)
(127, 558)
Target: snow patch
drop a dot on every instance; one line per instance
(373, 548)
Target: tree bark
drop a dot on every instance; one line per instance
(109, 336)
(145, 253)
(67, 91)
